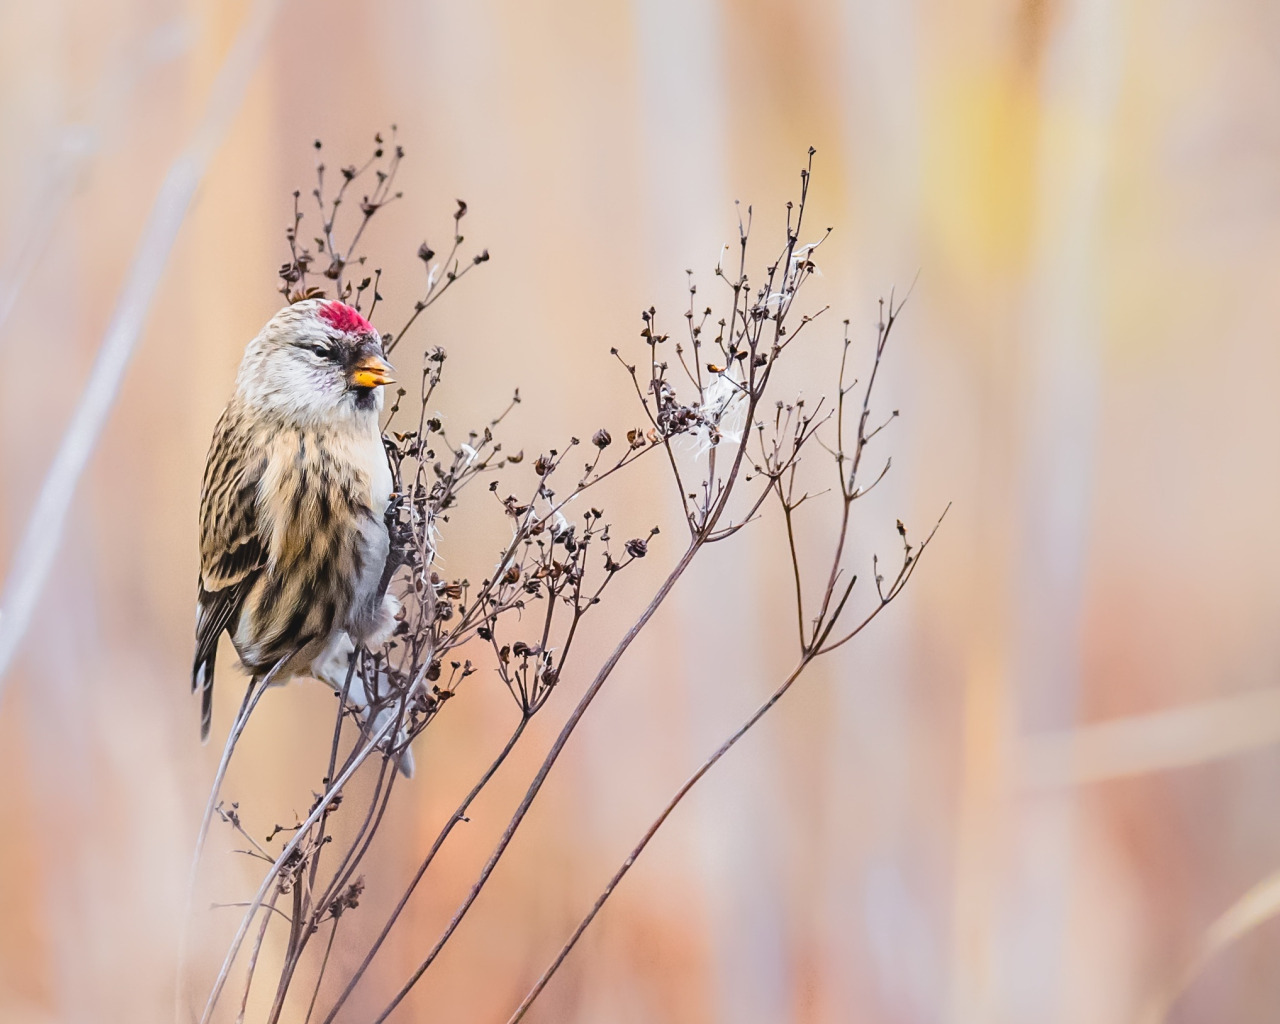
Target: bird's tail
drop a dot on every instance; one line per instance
(202, 680)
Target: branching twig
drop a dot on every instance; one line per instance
(812, 645)
(528, 610)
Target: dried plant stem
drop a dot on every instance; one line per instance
(333, 750)
(652, 830)
(806, 658)
(544, 770)
(405, 681)
(382, 789)
(296, 928)
(457, 816)
(759, 356)
(257, 687)
(330, 794)
(324, 963)
(812, 645)
(308, 912)
(253, 957)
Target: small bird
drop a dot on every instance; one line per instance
(293, 541)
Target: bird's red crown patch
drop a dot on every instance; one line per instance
(343, 318)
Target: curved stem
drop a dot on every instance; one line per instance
(652, 830)
(329, 796)
(817, 648)
(543, 771)
(252, 695)
(253, 957)
(457, 816)
(320, 975)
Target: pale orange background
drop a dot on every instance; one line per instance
(1023, 796)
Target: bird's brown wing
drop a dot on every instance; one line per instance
(232, 550)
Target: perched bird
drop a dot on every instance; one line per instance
(293, 541)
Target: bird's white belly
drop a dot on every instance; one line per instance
(363, 618)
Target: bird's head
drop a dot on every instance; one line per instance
(317, 362)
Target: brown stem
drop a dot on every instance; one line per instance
(457, 816)
(806, 657)
(253, 957)
(543, 771)
(652, 830)
(292, 951)
(333, 757)
(324, 963)
(787, 510)
(330, 794)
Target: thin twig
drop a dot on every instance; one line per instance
(330, 794)
(807, 656)
(717, 492)
(543, 771)
(324, 963)
(458, 815)
(253, 694)
(253, 957)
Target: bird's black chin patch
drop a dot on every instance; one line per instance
(366, 398)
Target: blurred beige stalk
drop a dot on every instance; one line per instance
(39, 542)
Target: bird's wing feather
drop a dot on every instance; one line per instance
(232, 548)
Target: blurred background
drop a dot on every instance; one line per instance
(1029, 793)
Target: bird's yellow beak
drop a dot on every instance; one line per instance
(370, 372)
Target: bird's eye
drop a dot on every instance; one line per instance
(321, 349)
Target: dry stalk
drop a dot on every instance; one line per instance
(706, 407)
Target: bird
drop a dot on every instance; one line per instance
(293, 539)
